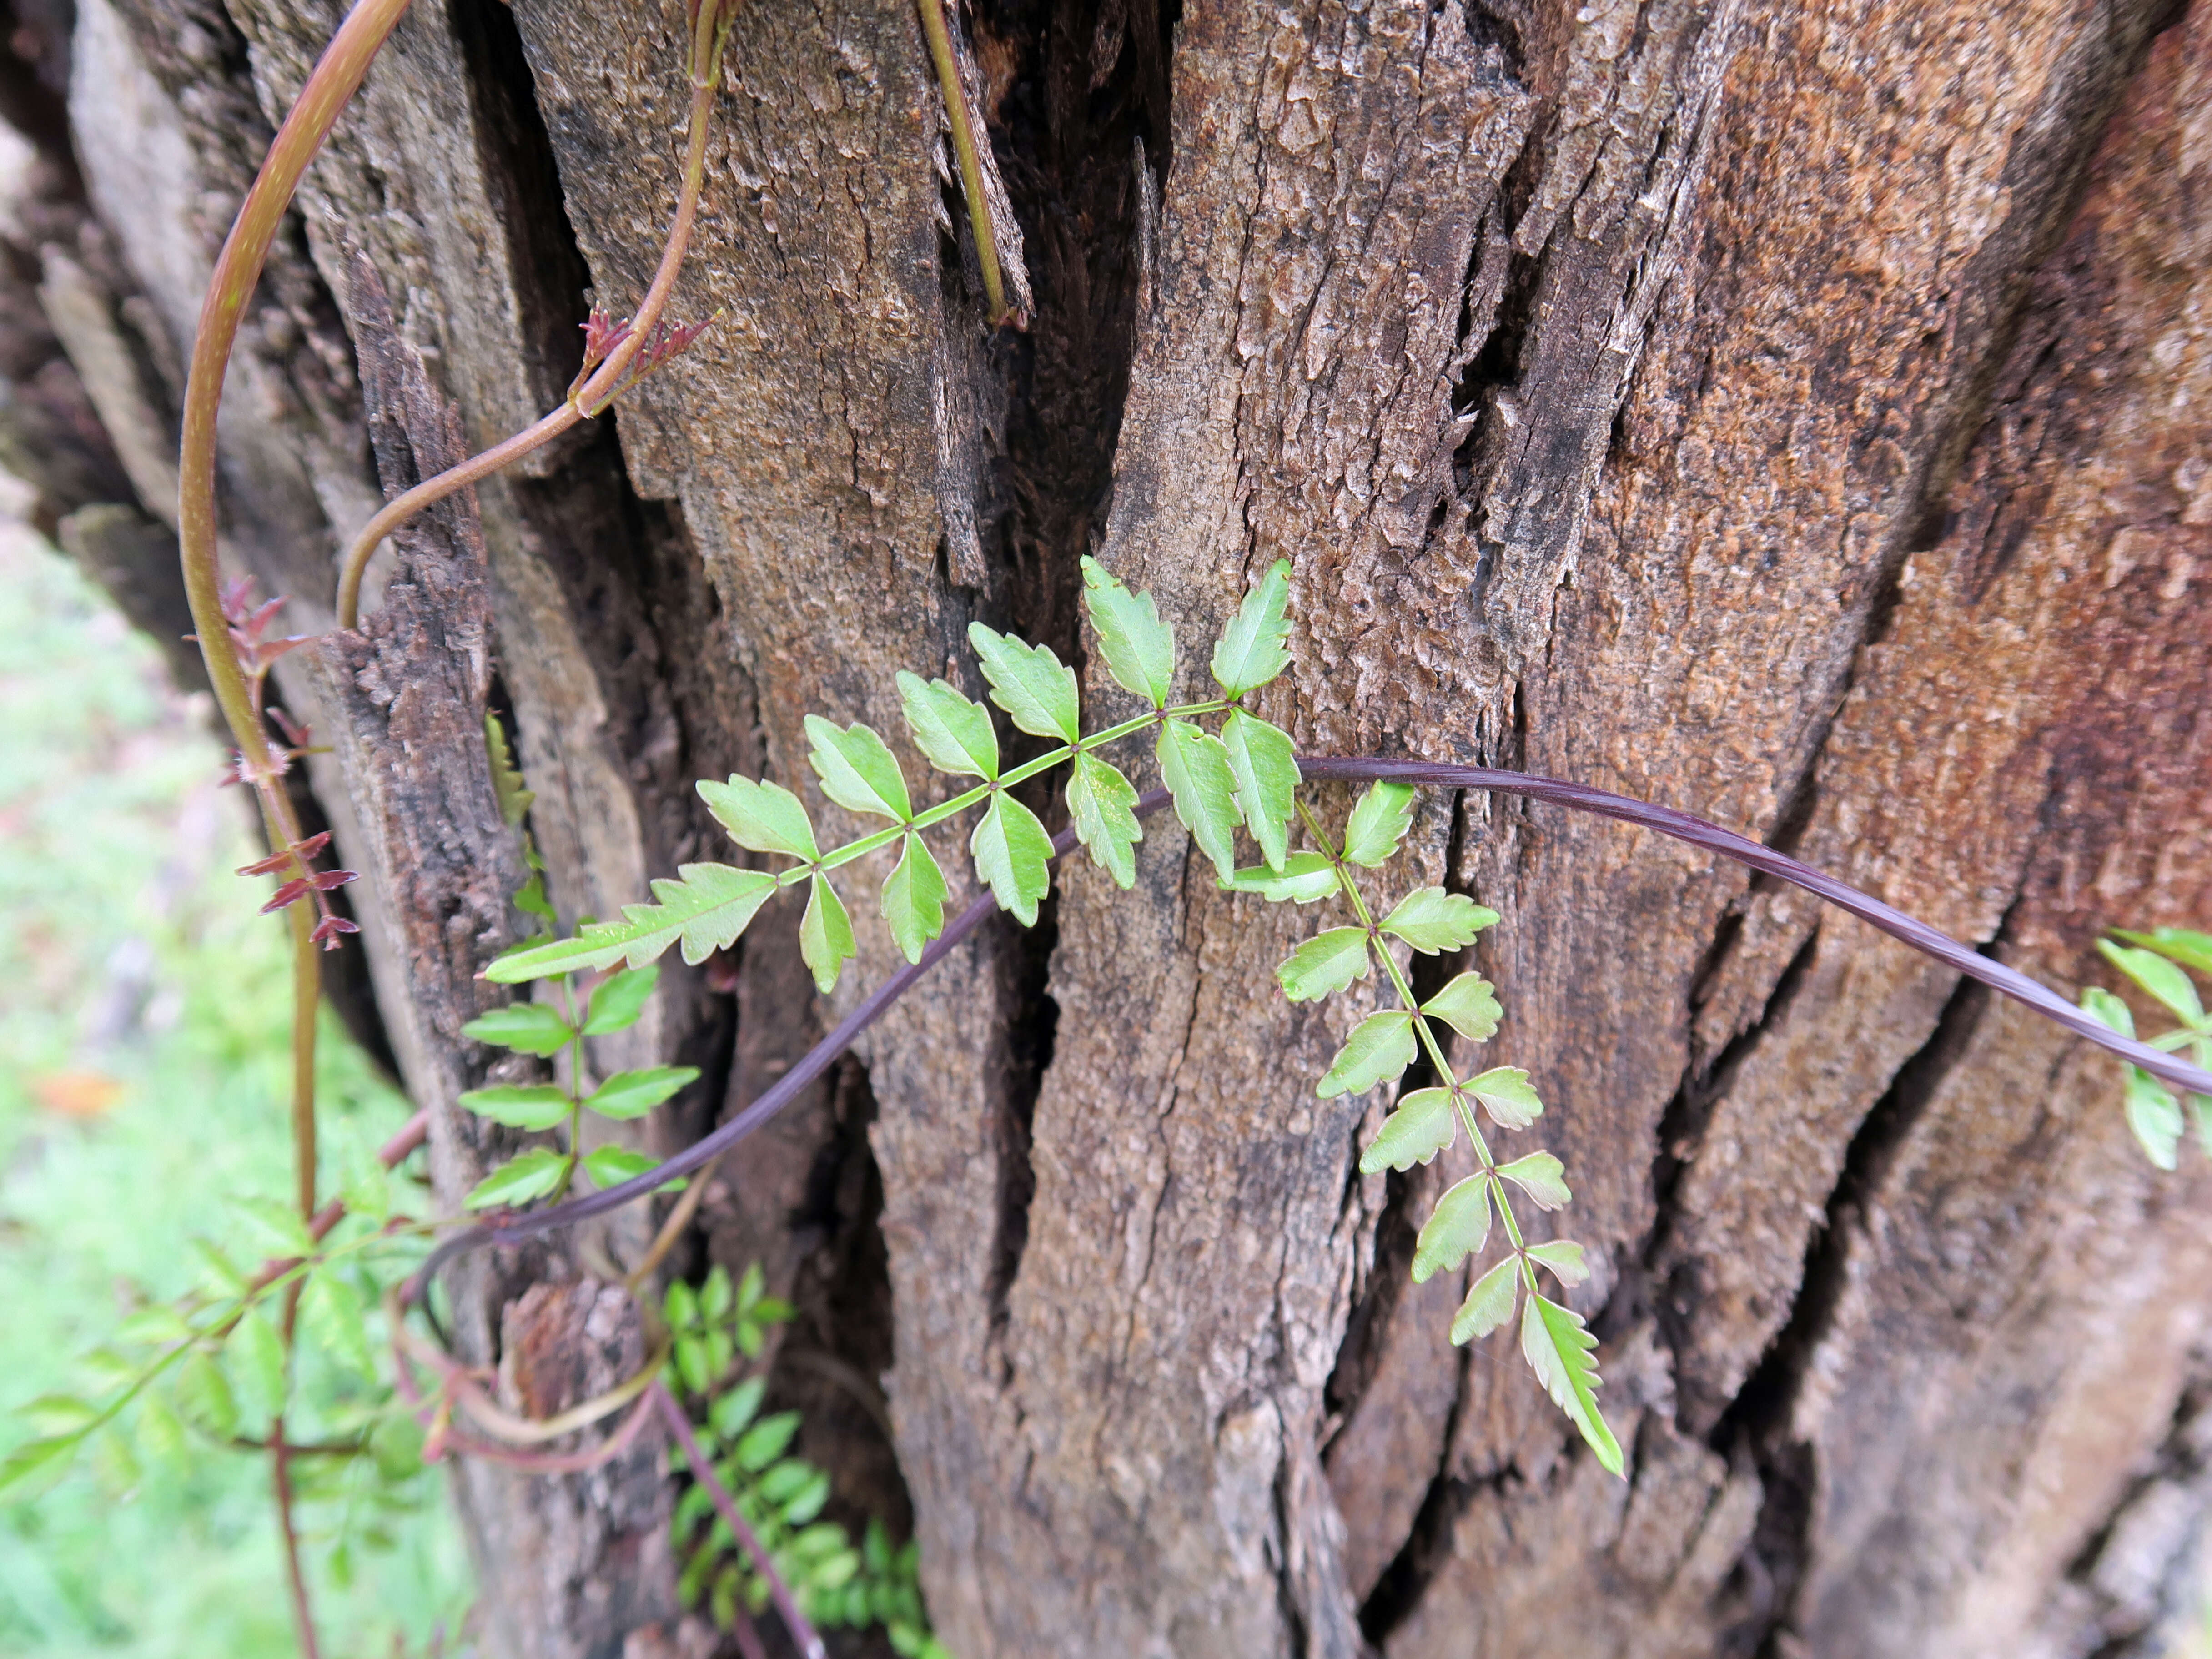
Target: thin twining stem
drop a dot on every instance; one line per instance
(964, 150)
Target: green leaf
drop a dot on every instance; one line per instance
(732, 1413)
(610, 1166)
(2191, 950)
(619, 999)
(691, 1366)
(1327, 962)
(764, 817)
(704, 912)
(914, 899)
(763, 1443)
(715, 1296)
(1456, 1229)
(203, 1394)
(1138, 647)
(507, 787)
(1557, 1349)
(785, 1478)
(160, 1434)
(1030, 683)
(750, 1285)
(532, 1174)
(2160, 977)
(858, 769)
(35, 1464)
(1304, 877)
(2108, 1007)
(254, 1355)
(221, 1271)
(1101, 803)
(1489, 1303)
(825, 935)
(1010, 850)
(519, 1105)
(58, 1415)
(1380, 1047)
(953, 734)
(681, 1306)
(1250, 652)
(331, 1311)
(1432, 921)
(160, 1326)
(1260, 759)
(1421, 1127)
(1540, 1176)
(281, 1230)
(1469, 1005)
(2155, 1117)
(1564, 1258)
(529, 1028)
(1504, 1093)
(1195, 769)
(806, 1503)
(632, 1094)
(395, 1444)
(1378, 822)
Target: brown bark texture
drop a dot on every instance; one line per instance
(1801, 415)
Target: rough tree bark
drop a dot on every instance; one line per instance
(1795, 414)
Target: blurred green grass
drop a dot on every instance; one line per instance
(142, 1071)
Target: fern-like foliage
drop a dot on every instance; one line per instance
(2155, 962)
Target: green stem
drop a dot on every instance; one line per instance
(964, 149)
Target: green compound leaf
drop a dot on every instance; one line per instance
(1101, 803)
(1557, 1349)
(858, 769)
(705, 912)
(914, 899)
(1456, 1229)
(632, 1094)
(515, 800)
(1010, 850)
(519, 1105)
(1564, 1258)
(1030, 683)
(1138, 647)
(765, 818)
(1262, 760)
(1377, 823)
(619, 999)
(532, 1175)
(1421, 1127)
(330, 1309)
(2155, 1117)
(1380, 1047)
(1432, 921)
(529, 1028)
(1195, 769)
(1250, 652)
(610, 1166)
(1504, 1093)
(254, 1356)
(2160, 978)
(1469, 1005)
(1541, 1177)
(2191, 950)
(825, 936)
(1489, 1303)
(1304, 877)
(953, 734)
(1327, 962)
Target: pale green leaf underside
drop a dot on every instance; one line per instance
(1102, 805)
(2101, 1003)
(763, 817)
(953, 734)
(528, 1027)
(519, 1106)
(1262, 760)
(1541, 1177)
(507, 780)
(532, 1174)
(1010, 850)
(254, 1355)
(1420, 1129)
(1030, 683)
(1469, 1005)
(1138, 647)
(330, 1309)
(1506, 1094)
(1489, 1303)
(914, 899)
(705, 912)
(1432, 921)
(2182, 945)
(1195, 769)
(1380, 1048)
(1557, 1349)
(1325, 962)
(858, 769)
(632, 1094)
(1304, 877)
(2160, 977)
(1564, 1258)
(2155, 1117)
(1378, 822)
(1456, 1229)
(610, 1166)
(825, 935)
(1250, 651)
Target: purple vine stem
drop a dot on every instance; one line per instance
(1683, 826)
(809, 1645)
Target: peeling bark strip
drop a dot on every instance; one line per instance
(1792, 413)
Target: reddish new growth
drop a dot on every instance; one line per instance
(603, 337)
(247, 625)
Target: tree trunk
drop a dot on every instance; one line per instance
(1795, 416)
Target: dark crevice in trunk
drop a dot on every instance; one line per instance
(1406, 1581)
